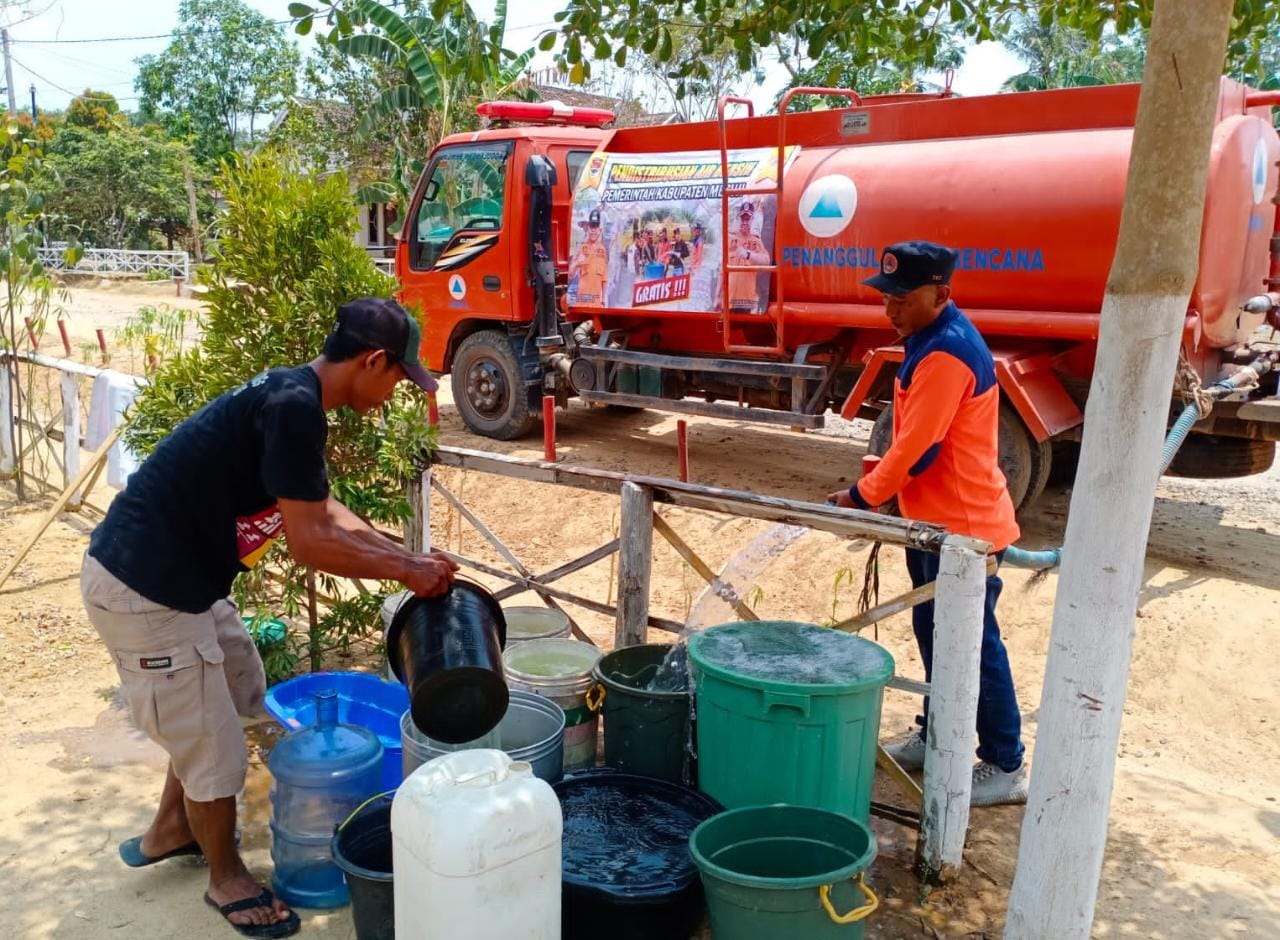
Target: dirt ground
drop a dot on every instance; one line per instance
(1195, 817)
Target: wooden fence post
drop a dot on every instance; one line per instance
(634, 564)
(8, 463)
(953, 708)
(417, 528)
(71, 436)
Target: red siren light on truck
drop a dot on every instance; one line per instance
(544, 112)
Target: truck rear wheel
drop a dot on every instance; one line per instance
(1025, 461)
(489, 387)
(1212, 457)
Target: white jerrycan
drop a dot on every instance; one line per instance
(476, 851)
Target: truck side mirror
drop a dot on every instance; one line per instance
(539, 171)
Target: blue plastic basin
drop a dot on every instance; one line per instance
(363, 699)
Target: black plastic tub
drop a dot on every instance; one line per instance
(362, 849)
(447, 651)
(627, 872)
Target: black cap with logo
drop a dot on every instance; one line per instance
(908, 265)
(383, 324)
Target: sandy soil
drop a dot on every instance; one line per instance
(1195, 818)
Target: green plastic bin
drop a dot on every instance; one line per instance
(646, 732)
(778, 872)
(788, 713)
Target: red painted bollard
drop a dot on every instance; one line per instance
(31, 334)
(433, 410)
(682, 448)
(66, 338)
(549, 428)
(102, 342)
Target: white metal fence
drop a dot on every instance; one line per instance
(120, 261)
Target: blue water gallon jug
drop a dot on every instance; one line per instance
(319, 775)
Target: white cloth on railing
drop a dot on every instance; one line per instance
(113, 392)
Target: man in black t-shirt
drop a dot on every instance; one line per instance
(205, 506)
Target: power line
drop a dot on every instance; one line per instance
(67, 91)
(168, 35)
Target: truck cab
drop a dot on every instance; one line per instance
(487, 226)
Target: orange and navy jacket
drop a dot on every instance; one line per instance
(944, 464)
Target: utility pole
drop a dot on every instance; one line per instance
(34, 113)
(8, 73)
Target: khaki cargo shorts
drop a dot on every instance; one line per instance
(186, 679)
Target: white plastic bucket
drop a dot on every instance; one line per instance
(560, 670)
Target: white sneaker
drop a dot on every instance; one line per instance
(994, 787)
(907, 749)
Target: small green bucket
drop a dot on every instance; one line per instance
(774, 872)
(646, 731)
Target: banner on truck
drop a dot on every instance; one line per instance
(646, 231)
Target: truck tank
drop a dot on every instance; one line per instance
(1028, 188)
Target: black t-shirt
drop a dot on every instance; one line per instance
(202, 507)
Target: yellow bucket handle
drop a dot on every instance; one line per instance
(343, 825)
(595, 697)
(858, 913)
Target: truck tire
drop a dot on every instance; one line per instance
(1211, 457)
(1026, 462)
(489, 387)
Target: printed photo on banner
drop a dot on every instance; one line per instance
(647, 232)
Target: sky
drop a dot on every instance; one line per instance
(64, 46)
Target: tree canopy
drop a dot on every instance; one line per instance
(113, 190)
(225, 66)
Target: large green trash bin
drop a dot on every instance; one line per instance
(788, 713)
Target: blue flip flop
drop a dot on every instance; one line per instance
(132, 855)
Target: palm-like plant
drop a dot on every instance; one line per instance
(1060, 56)
(441, 63)
(436, 67)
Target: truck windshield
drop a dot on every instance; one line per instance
(465, 192)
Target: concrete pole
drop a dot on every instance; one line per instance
(953, 707)
(1064, 830)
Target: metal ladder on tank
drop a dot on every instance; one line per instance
(779, 318)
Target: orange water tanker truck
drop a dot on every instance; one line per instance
(715, 268)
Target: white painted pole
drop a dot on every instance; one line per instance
(953, 707)
(71, 436)
(1064, 829)
(634, 565)
(7, 455)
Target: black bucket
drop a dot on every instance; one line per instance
(362, 849)
(627, 871)
(447, 651)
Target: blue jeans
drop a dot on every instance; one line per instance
(999, 721)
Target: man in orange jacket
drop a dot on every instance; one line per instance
(943, 466)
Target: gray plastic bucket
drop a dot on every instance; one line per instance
(532, 730)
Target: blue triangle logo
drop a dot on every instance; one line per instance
(827, 207)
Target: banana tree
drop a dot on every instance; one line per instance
(438, 66)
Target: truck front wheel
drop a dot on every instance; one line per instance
(489, 387)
